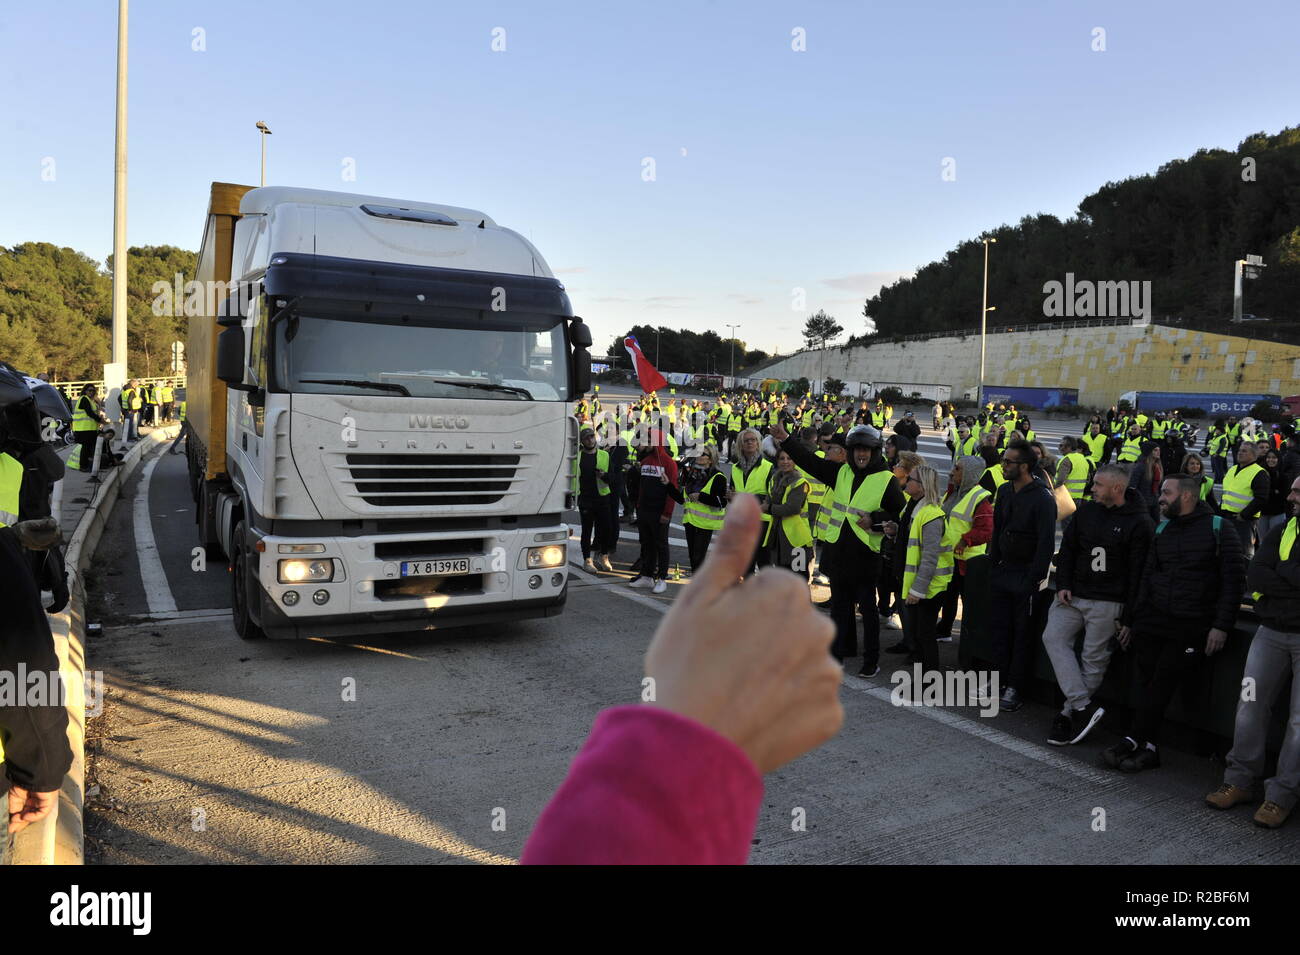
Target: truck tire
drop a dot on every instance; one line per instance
(243, 590)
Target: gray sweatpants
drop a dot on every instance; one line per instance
(1099, 619)
(1272, 658)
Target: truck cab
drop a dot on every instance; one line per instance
(394, 446)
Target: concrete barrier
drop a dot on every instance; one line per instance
(59, 839)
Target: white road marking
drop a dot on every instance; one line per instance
(975, 727)
(156, 592)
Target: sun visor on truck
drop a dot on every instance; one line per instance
(298, 274)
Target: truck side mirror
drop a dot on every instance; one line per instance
(581, 371)
(230, 358)
(580, 333)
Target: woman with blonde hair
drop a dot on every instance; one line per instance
(928, 566)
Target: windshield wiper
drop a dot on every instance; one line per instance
(485, 386)
(359, 383)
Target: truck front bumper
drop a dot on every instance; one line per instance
(368, 593)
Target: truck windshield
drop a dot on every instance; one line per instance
(521, 358)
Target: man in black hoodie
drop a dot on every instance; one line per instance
(1098, 573)
(866, 497)
(1186, 607)
(1024, 535)
(1273, 661)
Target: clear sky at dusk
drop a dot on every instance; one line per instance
(774, 169)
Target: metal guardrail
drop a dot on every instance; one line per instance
(71, 389)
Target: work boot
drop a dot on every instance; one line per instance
(1228, 795)
(1271, 815)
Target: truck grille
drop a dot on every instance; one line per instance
(442, 480)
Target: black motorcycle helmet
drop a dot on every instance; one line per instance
(20, 425)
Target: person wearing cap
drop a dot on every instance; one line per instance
(864, 494)
(964, 445)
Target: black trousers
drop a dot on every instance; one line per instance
(888, 600)
(697, 545)
(919, 622)
(1011, 626)
(948, 605)
(595, 523)
(856, 593)
(613, 501)
(654, 546)
(86, 441)
(1166, 651)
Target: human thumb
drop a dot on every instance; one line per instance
(732, 551)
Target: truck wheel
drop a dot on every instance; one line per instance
(242, 590)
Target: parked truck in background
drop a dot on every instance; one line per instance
(1023, 397)
(1214, 404)
(379, 410)
(913, 392)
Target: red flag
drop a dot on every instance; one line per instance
(648, 375)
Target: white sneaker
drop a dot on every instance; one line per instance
(820, 578)
(604, 564)
(589, 564)
(659, 586)
(890, 622)
(638, 582)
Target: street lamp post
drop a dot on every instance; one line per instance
(984, 321)
(119, 200)
(733, 354)
(265, 131)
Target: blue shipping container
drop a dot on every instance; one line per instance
(1030, 397)
(1216, 404)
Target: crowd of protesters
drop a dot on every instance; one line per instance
(1151, 550)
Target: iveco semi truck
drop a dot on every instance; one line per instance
(378, 401)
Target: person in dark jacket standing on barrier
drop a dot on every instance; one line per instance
(1024, 535)
(1187, 605)
(863, 495)
(1098, 573)
(1273, 660)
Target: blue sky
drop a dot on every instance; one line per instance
(775, 170)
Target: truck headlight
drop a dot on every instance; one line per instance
(553, 556)
(306, 571)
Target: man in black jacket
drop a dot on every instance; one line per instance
(855, 564)
(1098, 572)
(1186, 607)
(1273, 661)
(1024, 535)
(909, 429)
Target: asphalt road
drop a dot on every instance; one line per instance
(211, 749)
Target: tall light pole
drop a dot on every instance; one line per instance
(733, 353)
(984, 321)
(266, 131)
(119, 201)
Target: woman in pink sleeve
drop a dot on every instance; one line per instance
(743, 682)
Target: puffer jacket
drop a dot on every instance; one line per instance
(1190, 575)
(1123, 534)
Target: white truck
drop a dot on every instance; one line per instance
(378, 401)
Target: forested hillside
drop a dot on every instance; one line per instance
(1181, 229)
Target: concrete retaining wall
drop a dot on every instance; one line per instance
(1102, 362)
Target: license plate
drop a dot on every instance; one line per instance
(435, 568)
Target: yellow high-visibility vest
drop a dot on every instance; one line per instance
(943, 570)
(795, 527)
(1236, 487)
(962, 518)
(11, 483)
(756, 483)
(706, 516)
(851, 506)
(1077, 482)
